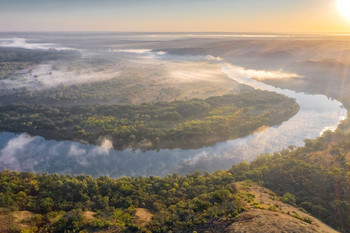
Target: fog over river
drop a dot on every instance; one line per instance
(317, 113)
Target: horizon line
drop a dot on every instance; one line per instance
(179, 32)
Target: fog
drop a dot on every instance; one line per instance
(194, 66)
(45, 76)
(265, 75)
(98, 65)
(23, 43)
(25, 153)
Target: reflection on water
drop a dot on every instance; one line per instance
(317, 113)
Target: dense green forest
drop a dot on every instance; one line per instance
(314, 178)
(178, 203)
(181, 124)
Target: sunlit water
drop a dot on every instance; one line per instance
(25, 153)
(317, 113)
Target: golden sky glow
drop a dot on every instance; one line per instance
(344, 8)
(178, 15)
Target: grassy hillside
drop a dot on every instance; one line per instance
(316, 175)
(314, 178)
(235, 207)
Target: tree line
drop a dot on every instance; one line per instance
(181, 124)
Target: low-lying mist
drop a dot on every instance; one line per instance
(168, 69)
(189, 76)
(23, 43)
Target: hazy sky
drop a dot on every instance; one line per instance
(173, 15)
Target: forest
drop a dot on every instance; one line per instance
(15, 59)
(314, 178)
(181, 124)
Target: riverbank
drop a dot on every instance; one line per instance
(188, 124)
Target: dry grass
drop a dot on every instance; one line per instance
(89, 215)
(266, 213)
(18, 220)
(142, 217)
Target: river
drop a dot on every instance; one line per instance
(317, 113)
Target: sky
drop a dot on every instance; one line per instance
(282, 16)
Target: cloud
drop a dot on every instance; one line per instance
(197, 158)
(106, 144)
(206, 35)
(137, 51)
(264, 74)
(22, 43)
(8, 155)
(161, 53)
(104, 149)
(16, 144)
(212, 58)
(74, 150)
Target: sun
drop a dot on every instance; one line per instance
(344, 8)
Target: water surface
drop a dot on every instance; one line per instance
(317, 113)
